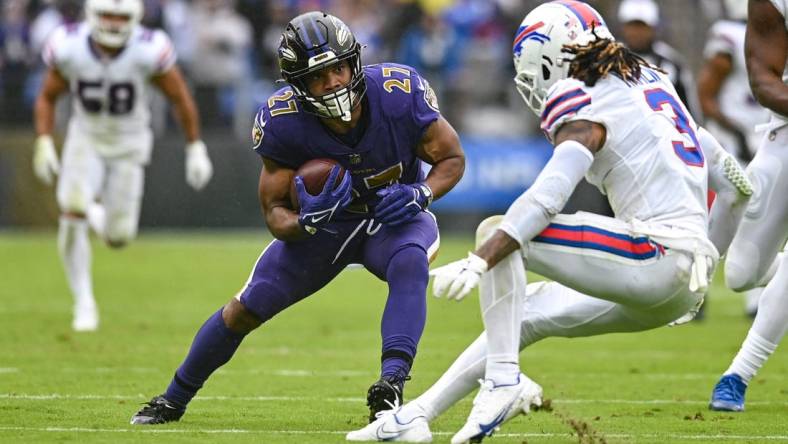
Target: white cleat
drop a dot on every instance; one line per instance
(85, 318)
(391, 427)
(493, 406)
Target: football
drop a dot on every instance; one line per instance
(315, 173)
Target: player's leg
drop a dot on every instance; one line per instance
(764, 228)
(762, 339)
(400, 255)
(581, 251)
(750, 262)
(117, 218)
(285, 273)
(501, 293)
(80, 180)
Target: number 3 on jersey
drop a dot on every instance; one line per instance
(691, 155)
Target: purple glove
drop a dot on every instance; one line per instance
(400, 202)
(317, 211)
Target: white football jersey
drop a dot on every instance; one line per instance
(651, 167)
(782, 7)
(110, 95)
(736, 100)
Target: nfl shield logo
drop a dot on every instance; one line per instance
(355, 159)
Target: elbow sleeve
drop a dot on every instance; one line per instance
(532, 211)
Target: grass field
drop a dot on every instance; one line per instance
(302, 377)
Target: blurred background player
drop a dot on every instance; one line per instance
(379, 122)
(106, 63)
(730, 110)
(617, 121)
(753, 258)
(639, 21)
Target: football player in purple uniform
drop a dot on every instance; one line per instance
(379, 122)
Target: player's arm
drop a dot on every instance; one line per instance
(576, 142)
(274, 192)
(45, 161)
(198, 165)
(765, 48)
(44, 109)
(440, 147)
(733, 188)
(712, 75)
(172, 85)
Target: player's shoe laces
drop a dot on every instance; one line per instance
(494, 405)
(390, 425)
(158, 411)
(728, 394)
(385, 394)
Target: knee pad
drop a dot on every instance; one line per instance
(741, 267)
(73, 201)
(486, 228)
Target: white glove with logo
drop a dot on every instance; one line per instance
(457, 279)
(198, 165)
(45, 163)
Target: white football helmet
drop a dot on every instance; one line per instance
(112, 33)
(538, 59)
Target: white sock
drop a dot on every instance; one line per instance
(751, 299)
(768, 328)
(97, 219)
(74, 247)
(753, 353)
(501, 294)
(459, 380)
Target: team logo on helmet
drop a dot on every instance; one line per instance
(343, 33)
(525, 33)
(287, 53)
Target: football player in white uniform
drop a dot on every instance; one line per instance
(753, 258)
(617, 121)
(727, 102)
(107, 64)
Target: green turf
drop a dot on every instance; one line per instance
(302, 377)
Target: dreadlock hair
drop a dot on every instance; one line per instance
(601, 56)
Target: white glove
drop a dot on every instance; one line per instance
(45, 163)
(198, 165)
(457, 279)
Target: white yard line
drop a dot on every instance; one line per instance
(152, 430)
(49, 396)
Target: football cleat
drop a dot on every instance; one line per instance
(494, 405)
(385, 394)
(391, 425)
(86, 318)
(158, 411)
(728, 394)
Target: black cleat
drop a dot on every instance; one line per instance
(158, 411)
(385, 394)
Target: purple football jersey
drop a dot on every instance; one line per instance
(400, 106)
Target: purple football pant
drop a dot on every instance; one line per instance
(288, 272)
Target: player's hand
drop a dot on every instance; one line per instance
(400, 202)
(457, 279)
(45, 163)
(319, 210)
(198, 165)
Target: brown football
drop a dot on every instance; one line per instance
(315, 173)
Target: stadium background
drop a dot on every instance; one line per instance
(227, 49)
